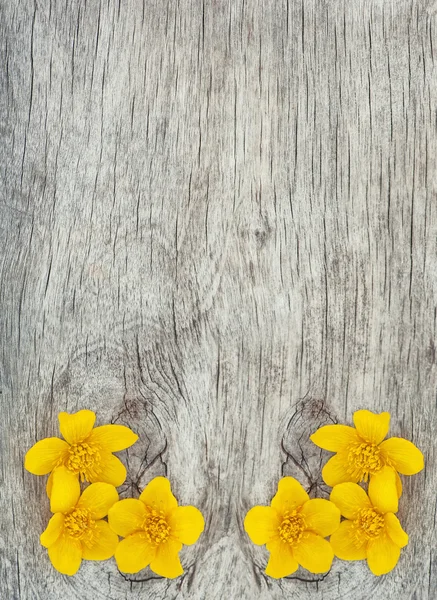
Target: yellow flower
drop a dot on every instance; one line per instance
(154, 528)
(76, 530)
(86, 453)
(361, 452)
(372, 530)
(293, 528)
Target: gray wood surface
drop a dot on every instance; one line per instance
(218, 225)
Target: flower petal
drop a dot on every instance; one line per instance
(134, 553)
(382, 490)
(45, 455)
(49, 485)
(98, 499)
(76, 427)
(113, 438)
(398, 484)
(112, 470)
(314, 553)
(382, 554)
(395, 531)
(158, 494)
(261, 524)
(403, 455)
(186, 524)
(345, 544)
(289, 496)
(349, 498)
(335, 437)
(321, 516)
(371, 426)
(166, 562)
(104, 543)
(335, 471)
(65, 490)
(66, 555)
(53, 530)
(281, 562)
(127, 516)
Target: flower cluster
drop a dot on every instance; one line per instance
(154, 527)
(294, 528)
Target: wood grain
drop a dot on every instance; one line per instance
(218, 225)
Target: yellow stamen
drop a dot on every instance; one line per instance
(79, 525)
(368, 525)
(83, 459)
(363, 460)
(155, 526)
(292, 527)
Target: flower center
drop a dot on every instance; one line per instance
(156, 527)
(363, 460)
(368, 525)
(292, 527)
(83, 459)
(78, 524)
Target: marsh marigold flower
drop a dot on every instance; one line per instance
(86, 453)
(372, 531)
(293, 529)
(361, 452)
(154, 529)
(76, 530)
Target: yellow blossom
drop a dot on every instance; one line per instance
(361, 452)
(77, 530)
(86, 454)
(154, 528)
(372, 530)
(293, 528)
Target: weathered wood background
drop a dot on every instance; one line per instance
(218, 226)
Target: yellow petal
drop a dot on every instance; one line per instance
(349, 498)
(313, 553)
(261, 524)
(321, 516)
(65, 491)
(76, 427)
(289, 496)
(53, 530)
(98, 499)
(395, 531)
(112, 470)
(403, 455)
(345, 543)
(127, 516)
(66, 555)
(166, 562)
(335, 470)
(371, 426)
(398, 484)
(113, 438)
(382, 490)
(335, 437)
(134, 553)
(45, 455)
(382, 554)
(49, 485)
(158, 495)
(281, 562)
(103, 545)
(186, 524)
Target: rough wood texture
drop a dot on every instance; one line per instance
(218, 226)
